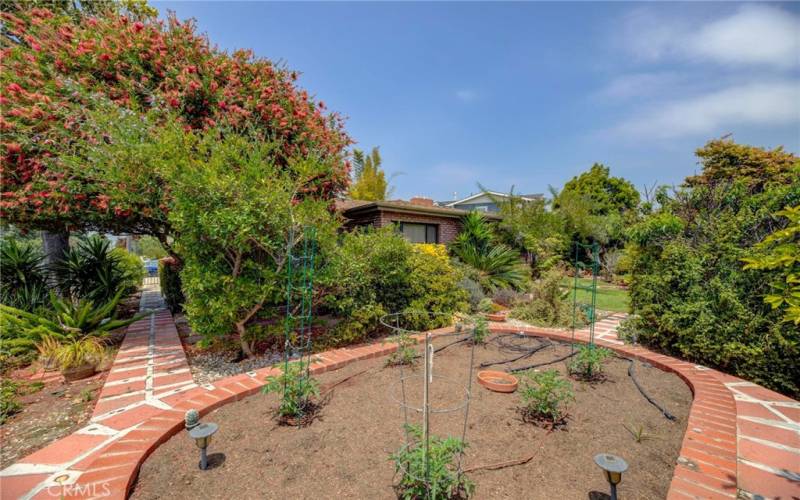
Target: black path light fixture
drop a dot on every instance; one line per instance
(202, 437)
(613, 466)
(201, 433)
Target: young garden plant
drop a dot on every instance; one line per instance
(544, 396)
(405, 354)
(297, 388)
(587, 364)
(444, 478)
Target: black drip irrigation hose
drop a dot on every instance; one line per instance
(537, 365)
(524, 355)
(632, 375)
(442, 348)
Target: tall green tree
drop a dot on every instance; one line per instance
(689, 290)
(369, 179)
(607, 194)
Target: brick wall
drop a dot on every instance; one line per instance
(448, 227)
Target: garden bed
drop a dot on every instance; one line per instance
(345, 451)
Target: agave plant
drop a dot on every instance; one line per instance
(91, 270)
(496, 266)
(24, 280)
(74, 321)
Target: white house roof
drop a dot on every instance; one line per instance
(526, 197)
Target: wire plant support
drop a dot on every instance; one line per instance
(397, 322)
(579, 265)
(300, 255)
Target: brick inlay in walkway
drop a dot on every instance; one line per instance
(740, 438)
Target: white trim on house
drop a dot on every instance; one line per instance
(483, 193)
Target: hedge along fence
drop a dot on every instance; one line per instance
(170, 278)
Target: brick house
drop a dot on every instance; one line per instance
(418, 219)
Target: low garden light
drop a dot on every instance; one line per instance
(202, 437)
(613, 466)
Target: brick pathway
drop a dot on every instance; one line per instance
(741, 438)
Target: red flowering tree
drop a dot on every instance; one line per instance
(55, 69)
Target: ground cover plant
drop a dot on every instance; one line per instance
(444, 479)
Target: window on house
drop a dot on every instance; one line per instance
(419, 233)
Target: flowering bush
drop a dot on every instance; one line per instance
(55, 69)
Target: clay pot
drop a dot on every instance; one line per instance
(78, 372)
(497, 381)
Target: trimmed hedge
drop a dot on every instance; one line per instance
(169, 275)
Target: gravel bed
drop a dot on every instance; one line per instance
(211, 366)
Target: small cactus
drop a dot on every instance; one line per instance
(192, 419)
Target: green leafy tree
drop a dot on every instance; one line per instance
(689, 290)
(369, 180)
(532, 226)
(607, 194)
(59, 68)
(781, 251)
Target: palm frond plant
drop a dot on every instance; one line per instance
(495, 266)
(91, 270)
(24, 279)
(77, 329)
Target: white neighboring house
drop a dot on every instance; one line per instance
(485, 201)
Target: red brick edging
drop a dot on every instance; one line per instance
(706, 467)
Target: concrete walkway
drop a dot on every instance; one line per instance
(741, 438)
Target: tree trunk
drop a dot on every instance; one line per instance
(54, 245)
(241, 330)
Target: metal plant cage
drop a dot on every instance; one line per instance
(301, 252)
(593, 267)
(402, 324)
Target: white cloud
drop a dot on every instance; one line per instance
(466, 95)
(753, 35)
(641, 85)
(759, 104)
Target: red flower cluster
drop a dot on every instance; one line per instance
(137, 65)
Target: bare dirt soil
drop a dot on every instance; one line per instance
(345, 452)
(49, 412)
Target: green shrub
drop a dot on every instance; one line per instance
(445, 481)
(544, 395)
(357, 327)
(8, 399)
(169, 278)
(474, 292)
(375, 272)
(549, 303)
(151, 248)
(588, 362)
(295, 389)
(688, 288)
(131, 267)
(485, 305)
(433, 287)
(24, 280)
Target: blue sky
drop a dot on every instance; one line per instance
(530, 94)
